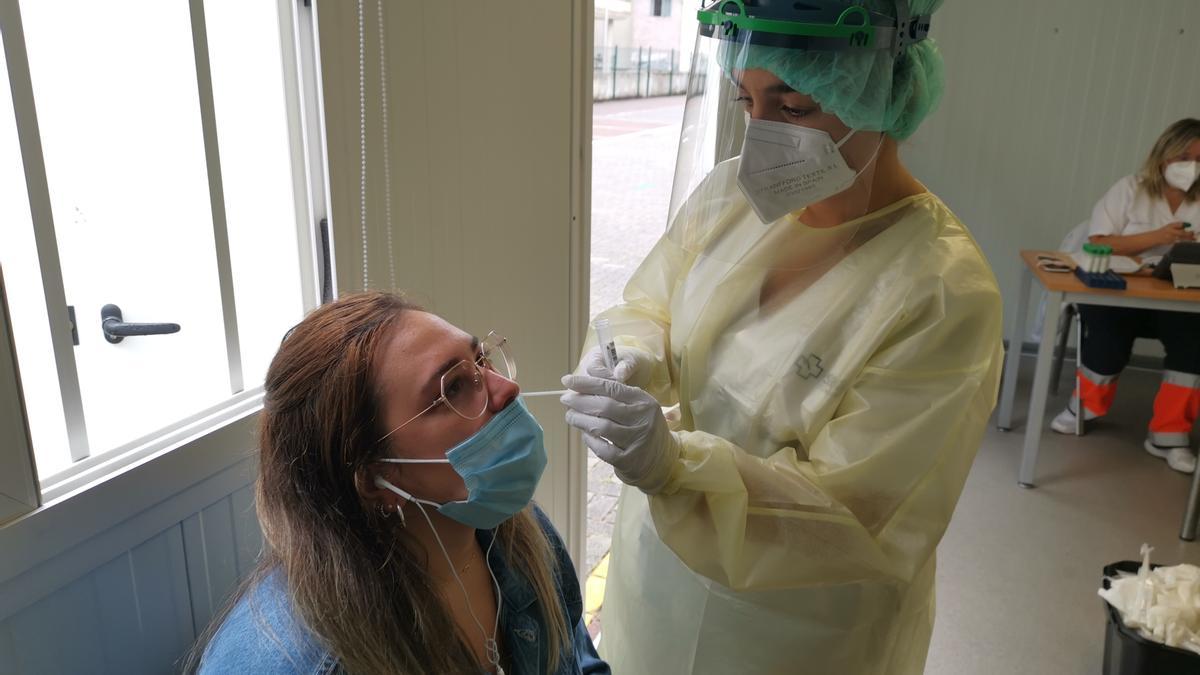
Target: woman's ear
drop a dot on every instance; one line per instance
(371, 491)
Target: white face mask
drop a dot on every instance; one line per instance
(785, 167)
(1182, 175)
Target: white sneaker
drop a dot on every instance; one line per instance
(1064, 423)
(1182, 460)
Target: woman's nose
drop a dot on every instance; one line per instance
(501, 390)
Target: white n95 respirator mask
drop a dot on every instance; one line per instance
(785, 167)
(1182, 175)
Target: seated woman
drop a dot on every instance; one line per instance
(1143, 215)
(378, 557)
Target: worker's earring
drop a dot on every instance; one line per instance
(400, 512)
(384, 512)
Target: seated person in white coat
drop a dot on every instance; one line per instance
(1144, 215)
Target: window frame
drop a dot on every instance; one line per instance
(18, 494)
(24, 495)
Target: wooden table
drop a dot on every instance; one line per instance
(1143, 292)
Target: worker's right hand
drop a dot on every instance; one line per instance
(623, 426)
(1174, 232)
(634, 366)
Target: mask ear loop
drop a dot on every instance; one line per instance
(858, 174)
(874, 154)
(490, 646)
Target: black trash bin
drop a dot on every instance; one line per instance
(1128, 653)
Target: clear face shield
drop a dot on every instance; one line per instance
(785, 118)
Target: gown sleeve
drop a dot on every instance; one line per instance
(643, 320)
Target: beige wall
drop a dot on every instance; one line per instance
(487, 104)
(1047, 104)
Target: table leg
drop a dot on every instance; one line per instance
(1040, 392)
(1190, 516)
(1012, 361)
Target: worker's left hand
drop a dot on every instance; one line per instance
(634, 366)
(623, 426)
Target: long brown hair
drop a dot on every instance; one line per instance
(355, 578)
(1172, 143)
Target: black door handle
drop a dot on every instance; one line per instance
(115, 329)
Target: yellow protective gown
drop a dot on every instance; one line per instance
(826, 437)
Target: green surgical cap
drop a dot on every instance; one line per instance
(867, 90)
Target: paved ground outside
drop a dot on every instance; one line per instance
(633, 162)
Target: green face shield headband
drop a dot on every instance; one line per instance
(813, 25)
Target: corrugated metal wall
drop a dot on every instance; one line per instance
(1047, 104)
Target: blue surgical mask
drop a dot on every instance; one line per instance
(501, 465)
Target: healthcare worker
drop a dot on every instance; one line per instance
(1144, 215)
(825, 336)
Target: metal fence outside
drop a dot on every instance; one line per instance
(636, 72)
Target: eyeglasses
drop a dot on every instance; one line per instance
(462, 387)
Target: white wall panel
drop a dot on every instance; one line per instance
(130, 597)
(39, 633)
(8, 653)
(159, 572)
(1048, 104)
(220, 544)
(130, 615)
(246, 532)
(118, 619)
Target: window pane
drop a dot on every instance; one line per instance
(26, 300)
(118, 107)
(256, 169)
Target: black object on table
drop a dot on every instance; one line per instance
(1186, 252)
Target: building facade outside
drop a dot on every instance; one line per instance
(642, 47)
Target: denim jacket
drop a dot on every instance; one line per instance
(262, 633)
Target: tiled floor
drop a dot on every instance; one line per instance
(1018, 569)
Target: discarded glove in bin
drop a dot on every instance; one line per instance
(1153, 618)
